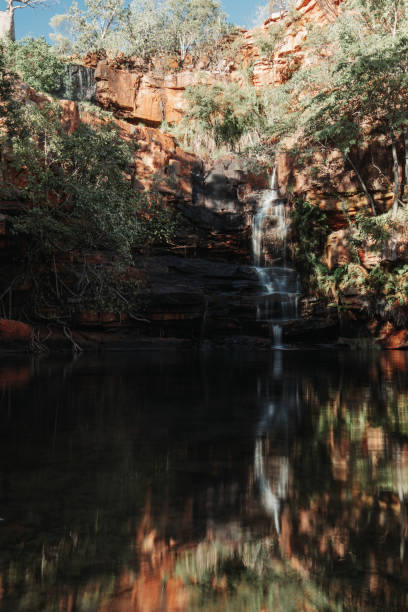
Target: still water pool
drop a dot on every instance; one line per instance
(242, 482)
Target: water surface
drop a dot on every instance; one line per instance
(140, 482)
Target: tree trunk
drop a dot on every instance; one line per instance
(364, 187)
(405, 134)
(396, 175)
(7, 24)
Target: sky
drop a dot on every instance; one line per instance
(35, 22)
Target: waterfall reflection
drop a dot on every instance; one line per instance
(279, 400)
(243, 482)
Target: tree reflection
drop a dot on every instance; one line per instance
(177, 484)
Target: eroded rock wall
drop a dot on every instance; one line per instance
(155, 94)
(203, 288)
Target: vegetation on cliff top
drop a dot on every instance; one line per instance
(141, 27)
(36, 62)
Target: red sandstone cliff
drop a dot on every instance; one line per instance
(141, 99)
(151, 96)
(157, 94)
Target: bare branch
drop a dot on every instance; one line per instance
(16, 4)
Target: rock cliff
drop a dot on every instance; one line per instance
(203, 288)
(151, 95)
(155, 94)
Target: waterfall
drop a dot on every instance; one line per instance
(79, 83)
(270, 201)
(277, 302)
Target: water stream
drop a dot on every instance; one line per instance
(278, 300)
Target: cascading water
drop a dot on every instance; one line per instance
(271, 205)
(79, 83)
(277, 303)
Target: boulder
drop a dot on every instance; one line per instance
(337, 249)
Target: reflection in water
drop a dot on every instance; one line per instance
(271, 495)
(275, 417)
(177, 483)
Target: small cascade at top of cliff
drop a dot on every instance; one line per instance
(79, 83)
(277, 302)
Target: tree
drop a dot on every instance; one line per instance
(143, 32)
(191, 24)
(37, 63)
(7, 16)
(88, 29)
(80, 199)
(144, 28)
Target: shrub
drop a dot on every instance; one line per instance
(80, 200)
(37, 64)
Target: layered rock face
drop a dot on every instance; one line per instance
(290, 52)
(204, 288)
(150, 96)
(138, 96)
(157, 94)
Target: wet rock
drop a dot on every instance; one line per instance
(390, 337)
(79, 83)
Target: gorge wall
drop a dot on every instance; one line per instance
(155, 94)
(200, 290)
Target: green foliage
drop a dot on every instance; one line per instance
(80, 201)
(374, 231)
(224, 112)
(267, 41)
(83, 171)
(310, 230)
(191, 24)
(229, 47)
(377, 279)
(142, 28)
(37, 64)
